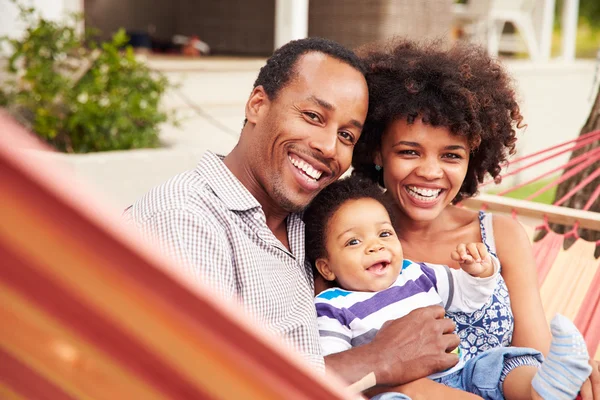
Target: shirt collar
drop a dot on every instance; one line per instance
(226, 186)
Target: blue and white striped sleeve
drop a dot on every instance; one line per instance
(334, 330)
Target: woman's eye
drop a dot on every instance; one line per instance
(352, 242)
(453, 156)
(408, 152)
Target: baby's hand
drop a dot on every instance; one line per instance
(474, 259)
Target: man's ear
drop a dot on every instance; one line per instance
(324, 269)
(258, 98)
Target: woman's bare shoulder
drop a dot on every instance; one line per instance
(511, 238)
(462, 216)
(506, 225)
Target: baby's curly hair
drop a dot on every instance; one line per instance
(460, 88)
(328, 201)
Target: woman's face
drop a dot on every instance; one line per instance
(423, 167)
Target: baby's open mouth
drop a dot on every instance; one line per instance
(378, 268)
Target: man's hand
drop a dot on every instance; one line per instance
(403, 350)
(415, 346)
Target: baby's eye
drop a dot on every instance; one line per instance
(386, 234)
(352, 242)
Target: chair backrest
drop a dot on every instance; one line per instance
(512, 5)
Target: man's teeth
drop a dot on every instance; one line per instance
(307, 168)
(423, 193)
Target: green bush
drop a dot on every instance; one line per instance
(80, 96)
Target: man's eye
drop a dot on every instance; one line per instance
(347, 137)
(313, 116)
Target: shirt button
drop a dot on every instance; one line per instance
(257, 216)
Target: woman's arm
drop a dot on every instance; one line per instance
(519, 271)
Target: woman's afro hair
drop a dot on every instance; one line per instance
(460, 88)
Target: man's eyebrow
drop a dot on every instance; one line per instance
(331, 107)
(356, 124)
(322, 103)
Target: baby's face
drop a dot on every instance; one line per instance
(363, 251)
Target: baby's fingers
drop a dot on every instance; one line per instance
(463, 254)
(483, 251)
(455, 256)
(473, 250)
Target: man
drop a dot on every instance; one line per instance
(234, 221)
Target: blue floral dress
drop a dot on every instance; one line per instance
(492, 325)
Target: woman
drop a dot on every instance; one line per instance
(439, 122)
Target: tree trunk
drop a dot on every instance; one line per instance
(579, 199)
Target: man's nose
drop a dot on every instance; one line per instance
(430, 169)
(325, 143)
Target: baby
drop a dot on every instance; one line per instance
(351, 241)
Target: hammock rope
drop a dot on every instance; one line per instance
(577, 297)
(570, 169)
(572, 162)
(583, 141)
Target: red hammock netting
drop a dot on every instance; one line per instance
(569, 279)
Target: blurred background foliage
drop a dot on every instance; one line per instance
(79, 95)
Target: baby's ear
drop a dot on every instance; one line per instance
(324, 269)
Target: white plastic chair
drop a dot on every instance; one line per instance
(484, 21)
(520, 14)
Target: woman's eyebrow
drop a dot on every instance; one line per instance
(405, 143)
(455, 147)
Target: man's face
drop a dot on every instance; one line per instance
(305, 136)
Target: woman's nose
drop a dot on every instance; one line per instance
(430, 170)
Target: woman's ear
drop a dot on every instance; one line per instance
(258, 98)
(378, 160)
(324, 269)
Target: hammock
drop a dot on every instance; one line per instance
(89, 312)
(569, 279)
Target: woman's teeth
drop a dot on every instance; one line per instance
(306, 168)
(423, 194)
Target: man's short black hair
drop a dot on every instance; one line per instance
(280, 67)
(328, 201)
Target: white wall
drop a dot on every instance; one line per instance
(50, 9)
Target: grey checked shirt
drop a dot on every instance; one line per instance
(207, 220)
